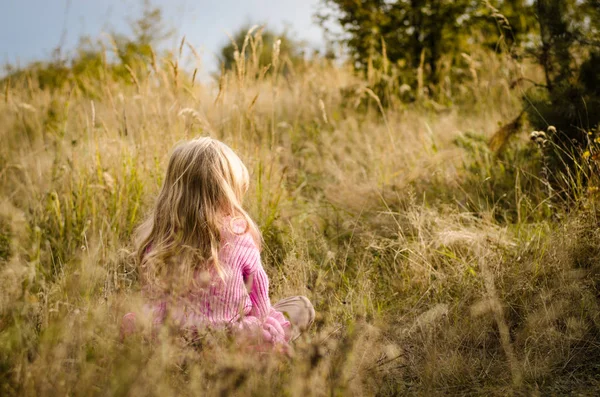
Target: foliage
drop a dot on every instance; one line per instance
(260, 45)
(422, 33)
(129, 55)
(570, 100)
(436, 266)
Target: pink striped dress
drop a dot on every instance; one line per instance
(239, 300)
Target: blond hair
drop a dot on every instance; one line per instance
(204, 185)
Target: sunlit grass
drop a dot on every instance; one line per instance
(435, 265)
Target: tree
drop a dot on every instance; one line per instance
(516, 23)
(411, 30)
(260, 42)
(149, 31)
(569, 54)
(131, 53)
(419, 33)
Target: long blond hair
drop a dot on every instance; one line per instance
(204, 184)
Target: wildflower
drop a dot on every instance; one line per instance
(538, 137)
(586, 154)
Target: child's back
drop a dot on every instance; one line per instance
(238, 298)
(199, 237)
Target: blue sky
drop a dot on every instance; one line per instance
(31, 29)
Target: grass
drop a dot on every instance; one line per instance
(435, 265)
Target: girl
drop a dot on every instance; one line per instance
(199, 252)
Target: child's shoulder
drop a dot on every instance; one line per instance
(238, 225)
(236, 230)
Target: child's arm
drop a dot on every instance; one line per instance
(275, 326)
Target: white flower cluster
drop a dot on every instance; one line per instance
(540, 138)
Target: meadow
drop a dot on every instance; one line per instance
(436, 265)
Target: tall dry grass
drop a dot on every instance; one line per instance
(435, 266)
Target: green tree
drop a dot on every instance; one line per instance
(259, 47)
(516, 23)
(569, 54)
(411, 30)
(91, 61)
(417, 32)
(149, 31)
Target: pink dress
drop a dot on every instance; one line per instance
(239, 300)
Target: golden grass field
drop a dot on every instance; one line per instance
(436, 266)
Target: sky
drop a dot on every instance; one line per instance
(31, 29)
